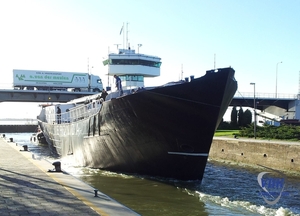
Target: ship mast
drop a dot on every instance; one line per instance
(215, 61)
(107, 71)
(181, 71)
(123, 34)
(127, 44)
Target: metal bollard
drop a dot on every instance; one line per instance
(96, 192)
(57, 166)
(25, 147)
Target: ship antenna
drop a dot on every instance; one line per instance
(127, 36)
(215, 61)
(181, 71)
(122, 32)
(117, 46)
(139, 45)
(299, 84)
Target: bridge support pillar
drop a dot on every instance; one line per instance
(297, 109)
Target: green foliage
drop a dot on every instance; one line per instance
(228, 133)
(241, 121)
(241, 117)
(247, 118)
(238, 119)
(284, 132)
(233, 116)
(227, 126)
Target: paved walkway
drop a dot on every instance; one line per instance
(27, 188)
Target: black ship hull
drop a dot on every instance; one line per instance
(166, 131)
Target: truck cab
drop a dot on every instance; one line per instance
(95, 83)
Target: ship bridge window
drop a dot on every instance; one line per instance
(132, 78)
(135, 62)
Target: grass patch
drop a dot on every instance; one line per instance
(228, 133)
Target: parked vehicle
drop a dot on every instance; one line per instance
(55, 80)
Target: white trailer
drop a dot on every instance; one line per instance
(55, 80)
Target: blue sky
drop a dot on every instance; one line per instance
(68, 35)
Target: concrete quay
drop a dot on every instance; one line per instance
(280, 155)
(27, 188)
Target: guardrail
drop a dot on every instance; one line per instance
(17, 121)
(265, 95)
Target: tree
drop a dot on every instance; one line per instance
(233, 116)
(241, 117)
(247, 117)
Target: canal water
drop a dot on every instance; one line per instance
(225, 189)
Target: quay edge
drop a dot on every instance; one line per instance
(28, 182)
(280, 155)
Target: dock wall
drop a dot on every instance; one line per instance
(284, 156)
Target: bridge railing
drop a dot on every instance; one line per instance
(265, 95)
(6, 86)
(18, 121)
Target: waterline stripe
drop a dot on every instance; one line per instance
(189, 154)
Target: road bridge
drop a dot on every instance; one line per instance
(286, 105)
(282, 105)
(263, 100)
(12, 95)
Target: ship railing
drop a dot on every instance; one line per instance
(79, 112)
(126, 91)
(82, 111)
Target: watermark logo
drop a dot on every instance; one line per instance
(272, 187)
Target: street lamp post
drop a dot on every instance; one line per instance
(254, 110)
(276, 78)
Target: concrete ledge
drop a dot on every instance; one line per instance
(23, 175)
(284, 156)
